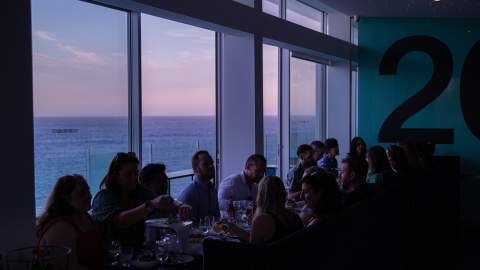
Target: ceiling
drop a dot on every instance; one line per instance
(407, 8)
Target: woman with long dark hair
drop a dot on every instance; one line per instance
(322, 197)
(122, 205)
(66, 222)
(378, 165)
(358, 148)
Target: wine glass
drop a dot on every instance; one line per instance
(125, 256)
(114, 251)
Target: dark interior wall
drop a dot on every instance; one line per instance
(17, 206)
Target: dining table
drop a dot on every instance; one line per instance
(190, 238)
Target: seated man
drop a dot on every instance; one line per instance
(201, 194)
(352, 181)
(243, 186)
(318, 150)
(328, 161)
(154, 178)
(294, 177)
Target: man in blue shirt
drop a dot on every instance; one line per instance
(329, 161)
(201, 194)
(243, 186)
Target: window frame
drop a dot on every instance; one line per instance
(135, 88)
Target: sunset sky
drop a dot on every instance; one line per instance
(80, 65)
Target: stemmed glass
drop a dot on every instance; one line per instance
(114, 251)
(168, 246)
(241, 212)
(126, 254)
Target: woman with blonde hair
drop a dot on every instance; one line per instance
(272, 221)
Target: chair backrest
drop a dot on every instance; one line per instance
(231, 255)
(365, 236)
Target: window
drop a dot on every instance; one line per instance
(178, 94)
(80, 89)
(304, 15)
(270, 106)
(271, 7)
(305, 104)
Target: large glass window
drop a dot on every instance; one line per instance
(305, 105)
(271, 7)
(304, 15)
(270, 106)
(178, 94)
(80, 91)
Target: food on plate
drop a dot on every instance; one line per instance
(218, 227)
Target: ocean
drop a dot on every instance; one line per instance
(86, 145)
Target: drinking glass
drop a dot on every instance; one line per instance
(205, 225)
(240, 211)
(169, 244)
(125, 256)
(114, 251)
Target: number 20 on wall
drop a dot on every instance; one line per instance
(391, 130)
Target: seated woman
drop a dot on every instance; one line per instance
(358, 149)
(122, 205)
(66, 222)
(378, 165)
(272, 221)
(398, 161)
(154, 178)
(322, 197)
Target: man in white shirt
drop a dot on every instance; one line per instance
(243, 186)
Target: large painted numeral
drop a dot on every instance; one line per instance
(470, 90)
(391, 130)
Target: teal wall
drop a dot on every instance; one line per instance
(379, 94)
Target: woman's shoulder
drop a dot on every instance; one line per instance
(263, 219)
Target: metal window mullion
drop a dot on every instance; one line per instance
(284, 111)
(321, 97)
(218, 104)
(258, 69)
(134, 85)
(283, 9)
(283, 102)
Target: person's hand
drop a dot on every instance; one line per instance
(163, 202)
(231, 228)
(185, 211)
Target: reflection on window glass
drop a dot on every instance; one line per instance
(304, 82)
(304, 15)
(271, 7)
(178, 94)
(80, 90)
(270, 106)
